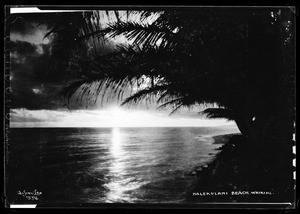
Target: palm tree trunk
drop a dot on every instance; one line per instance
(242, 125)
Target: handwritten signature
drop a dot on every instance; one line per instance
(30, 195)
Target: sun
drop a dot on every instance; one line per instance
(117, 112)
(120, 117)
(126, 118)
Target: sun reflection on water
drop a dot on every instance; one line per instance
(117, 184)
(116, 147)
(122, 181)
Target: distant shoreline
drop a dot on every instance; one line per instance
(223, 139)
(220, 140)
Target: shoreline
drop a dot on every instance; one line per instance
(224, 138)
(220, 140)
(237, 168)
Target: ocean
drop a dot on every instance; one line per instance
(107, 165)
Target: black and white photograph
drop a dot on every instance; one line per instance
(150, 106)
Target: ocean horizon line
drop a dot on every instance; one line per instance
(16, 127)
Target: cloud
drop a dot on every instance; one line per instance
(31, 72)
(35, 79)
(110, 117)
(23, 48)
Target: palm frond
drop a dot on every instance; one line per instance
(175, 102)
(150, 91)
(218, 113)
(71, 88)
(142, 34)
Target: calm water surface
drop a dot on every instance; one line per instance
(103, 165)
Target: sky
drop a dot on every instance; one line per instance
(35, 85)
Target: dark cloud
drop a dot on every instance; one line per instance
(34, 82)
(23, 48)
(36, 77)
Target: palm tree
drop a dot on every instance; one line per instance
(229, 57)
